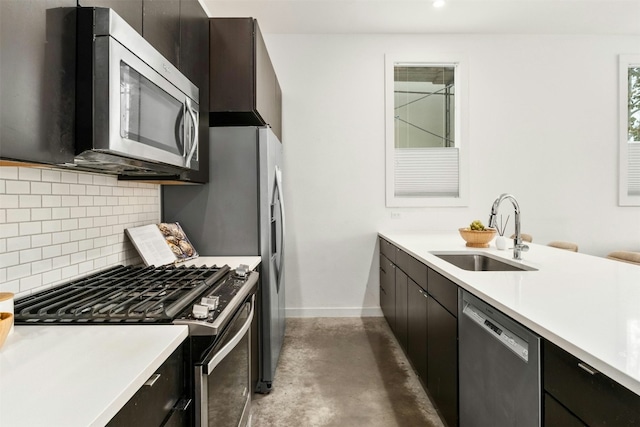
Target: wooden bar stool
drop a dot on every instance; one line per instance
(563, 245)
(625, 256)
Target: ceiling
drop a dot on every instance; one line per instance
(616, 17)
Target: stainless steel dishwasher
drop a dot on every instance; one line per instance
(499, 368)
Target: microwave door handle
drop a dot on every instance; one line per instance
(233, 342)
(194, 145)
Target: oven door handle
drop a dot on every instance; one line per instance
(224, 351)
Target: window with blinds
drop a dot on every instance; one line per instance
(629, 130)
(425, 132)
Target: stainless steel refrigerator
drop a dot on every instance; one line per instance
(240, 212)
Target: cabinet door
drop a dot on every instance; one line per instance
(442, 356)
(557, 415)
(417, 341)
(388, 290)
(37, 65)
(590, 395)
(154, 401)
(130, 10)
(268, 93)
(161, 27)
(401, 308)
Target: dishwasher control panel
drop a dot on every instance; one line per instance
(512, 341)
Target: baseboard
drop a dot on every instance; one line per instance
(334, 312)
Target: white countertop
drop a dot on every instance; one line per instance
(78, 375)
(587, 305)
(231, 261)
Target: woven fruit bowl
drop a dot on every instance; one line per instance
(477, 239)
(6, 321)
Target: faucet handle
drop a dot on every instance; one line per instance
(523, 247)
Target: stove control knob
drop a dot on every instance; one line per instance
(211, 301)
(200, 311)
(242, 270)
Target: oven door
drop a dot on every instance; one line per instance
(223, 377)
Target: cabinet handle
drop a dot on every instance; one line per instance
(152, 380)
(426, 295)
(587, 368)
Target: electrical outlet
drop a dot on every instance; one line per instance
(396, 215)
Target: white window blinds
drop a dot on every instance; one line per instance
(426, 172)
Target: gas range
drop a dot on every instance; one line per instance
(202, 297)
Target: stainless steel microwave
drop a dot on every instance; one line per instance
(136, 114)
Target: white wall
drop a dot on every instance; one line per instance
(56, 225)
(543, 126)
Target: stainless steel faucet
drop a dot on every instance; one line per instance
(518, 247)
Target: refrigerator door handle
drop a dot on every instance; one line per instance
(282, 225)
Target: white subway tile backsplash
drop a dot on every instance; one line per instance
(70, 177)
(18, 271)
(60, 213)
(30, 282)
(85, 222)
(28, 228)
(62, 189)
(50, 175)
(29, 201)
(61, 237)
(17, 187)
(18, 215)
(9, 230)
(9, 259)
(77, 189)
(51, 276)
(51, 226)
(12, 286)
(51, 201)
(85, 178)
(30, 255)
(9, 201)
(93, 233)
(40, 214)
(78, 257)
(85, 244)
(18, 243)
(9, 172)
(61, 261)
(85, 200)
(69, 200)
(29, 174)
(51, 251)
(40, 188)
(58, 224)
(69, 224)
(70, 271)
(77, 235)
(39, 240)
(41, 266)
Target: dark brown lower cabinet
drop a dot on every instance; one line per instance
(593, 397)
(417, 328)
(401, 308)
(388, 290)
(442, 356)
(557, 415)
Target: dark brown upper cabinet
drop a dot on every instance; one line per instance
(244, 88)
(130, 10)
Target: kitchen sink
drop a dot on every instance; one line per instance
(480, 262)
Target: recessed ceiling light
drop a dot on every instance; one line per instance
(438, 3)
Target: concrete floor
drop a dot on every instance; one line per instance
(343, 372)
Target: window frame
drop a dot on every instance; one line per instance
(461, 108)
(625, 62)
